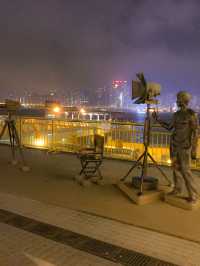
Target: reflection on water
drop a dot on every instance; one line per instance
(139, 117)
(135, 117)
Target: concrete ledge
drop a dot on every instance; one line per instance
(181, 202)
(146, 198)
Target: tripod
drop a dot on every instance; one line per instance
(145, 154)
(9, 124)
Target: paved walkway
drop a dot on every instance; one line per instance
(100, 224)
(19, 247)
(51, 180)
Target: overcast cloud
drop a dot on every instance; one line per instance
(65, 44)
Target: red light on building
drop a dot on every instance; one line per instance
(117, 83)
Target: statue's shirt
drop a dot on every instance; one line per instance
(184, 123)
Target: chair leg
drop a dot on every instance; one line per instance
(89, 172)
(100, 175)
(84, 165)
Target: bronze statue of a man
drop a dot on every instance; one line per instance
(183, 145)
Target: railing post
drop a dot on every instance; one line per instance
(52, 134)
(20, 131)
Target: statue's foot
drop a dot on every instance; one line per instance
(174, 192)
(192, 200)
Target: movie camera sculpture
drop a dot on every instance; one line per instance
(11, 107)
(144, 92)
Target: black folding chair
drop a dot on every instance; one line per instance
(91, 160)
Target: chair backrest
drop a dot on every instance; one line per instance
(99, 143)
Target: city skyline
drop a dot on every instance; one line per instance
(86, 44)
(107, 96)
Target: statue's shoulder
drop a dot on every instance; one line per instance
(176, 113)
(191, 112)
(192, 115)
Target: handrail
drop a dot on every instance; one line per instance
(122, 140)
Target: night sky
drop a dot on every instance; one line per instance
(47, 44)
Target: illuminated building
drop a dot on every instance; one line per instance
(120, 94)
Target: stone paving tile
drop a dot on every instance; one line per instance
(164, 247)
(20, 248)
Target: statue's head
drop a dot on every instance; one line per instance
(183, 99)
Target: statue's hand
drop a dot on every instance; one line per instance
(155, 116)
(193, 155)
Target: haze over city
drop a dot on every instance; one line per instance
(62, 45)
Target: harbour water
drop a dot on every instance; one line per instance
(131, 116)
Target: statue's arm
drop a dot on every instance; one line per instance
(195, 135)
(164, 124)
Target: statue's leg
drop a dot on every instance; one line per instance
(177, 176)
(187, 174)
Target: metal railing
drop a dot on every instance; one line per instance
(122, 140)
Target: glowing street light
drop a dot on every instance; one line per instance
(82, 111)
(169, 161)
(39, 142)
(56, 109)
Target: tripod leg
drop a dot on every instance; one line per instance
(134, 165)
(144, 172)
(12, 142)
(25, 168)
(158, 167)
(18, 144)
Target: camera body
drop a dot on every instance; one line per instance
(12, 106)
(145, 92)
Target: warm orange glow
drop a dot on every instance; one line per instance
(39, 142)
(169, 161)
(82, 111)
(56, 109)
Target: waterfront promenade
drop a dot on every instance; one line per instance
(46, 218)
